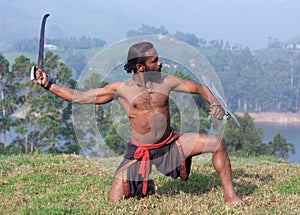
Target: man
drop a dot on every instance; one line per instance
(144, 99)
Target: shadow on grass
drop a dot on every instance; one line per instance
(199, 184)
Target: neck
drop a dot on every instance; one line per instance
(140, 79)
(146, 78)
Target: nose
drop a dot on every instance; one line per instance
(160, 63)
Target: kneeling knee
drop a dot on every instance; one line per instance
(222, 145)
(114, 197)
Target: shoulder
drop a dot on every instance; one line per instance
(172, 80)
(122, 86)
(181, 85)
(114, 85)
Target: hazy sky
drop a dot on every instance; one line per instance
(247, 22)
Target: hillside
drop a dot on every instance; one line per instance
(70, 184)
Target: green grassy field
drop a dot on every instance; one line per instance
(70, 184)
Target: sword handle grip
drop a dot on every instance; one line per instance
(226, 116)
(32, 73)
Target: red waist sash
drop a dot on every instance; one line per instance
(142, 153)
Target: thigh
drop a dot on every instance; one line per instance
(194, 144)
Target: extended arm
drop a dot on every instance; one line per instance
(93, 96)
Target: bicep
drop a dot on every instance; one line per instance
(186, 86)
(194, 88)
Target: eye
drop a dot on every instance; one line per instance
(155, 60)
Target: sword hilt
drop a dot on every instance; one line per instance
(226, 116)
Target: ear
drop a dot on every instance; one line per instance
(140, 67)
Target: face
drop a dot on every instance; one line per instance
(153, 63)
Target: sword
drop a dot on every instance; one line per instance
(41, 49)
(216, 94)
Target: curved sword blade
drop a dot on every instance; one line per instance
(41, 48)
(41, 44)
(214, 91)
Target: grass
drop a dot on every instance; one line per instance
(70, 184)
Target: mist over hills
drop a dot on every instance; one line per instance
(248, 23)
(66, 20)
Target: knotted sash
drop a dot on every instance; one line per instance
(142, 153)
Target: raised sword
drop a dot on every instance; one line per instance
(41, 49)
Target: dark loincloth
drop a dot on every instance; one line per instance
(168, 159)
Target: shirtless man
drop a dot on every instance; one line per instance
(144, 99)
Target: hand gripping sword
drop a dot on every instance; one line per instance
(216, 94)
(41, 49)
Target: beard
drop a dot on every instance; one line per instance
(153, 76)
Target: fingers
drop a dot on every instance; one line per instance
(217, 111)
(41, 77)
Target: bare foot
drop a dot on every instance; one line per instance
(157, 195)
(233, 200)
(151, 188)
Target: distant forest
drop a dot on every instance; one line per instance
(253, 80)
(261, 80)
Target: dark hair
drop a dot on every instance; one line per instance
(136, 55)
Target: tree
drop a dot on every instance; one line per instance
(246, 140)
(115, 138)
(182, 100)
(76, 62)
(16, 92)
(5, 121)
(187, 37)
(88, 127)
(281, 147)
(147, 30)
(47, 121)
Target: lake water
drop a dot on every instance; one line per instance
(290, 131)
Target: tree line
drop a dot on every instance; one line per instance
(42, 122)
(31, 45)
(252, 84)
(266, 80)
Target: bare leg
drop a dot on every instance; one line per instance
(222, 165)
(116, 189)
(194, 144)
(117, 193)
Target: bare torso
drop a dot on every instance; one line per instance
(147, 109)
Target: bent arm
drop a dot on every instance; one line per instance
(181, 85)
(192, 87)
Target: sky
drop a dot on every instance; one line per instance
(246, 22)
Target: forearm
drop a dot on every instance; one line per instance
(92, 96)
(68, 94)
(207, 95)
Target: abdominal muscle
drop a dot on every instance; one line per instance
(148, 115)
(153, 128)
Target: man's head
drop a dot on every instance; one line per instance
(140, 55)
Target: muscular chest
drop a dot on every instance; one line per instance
(149, 101)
